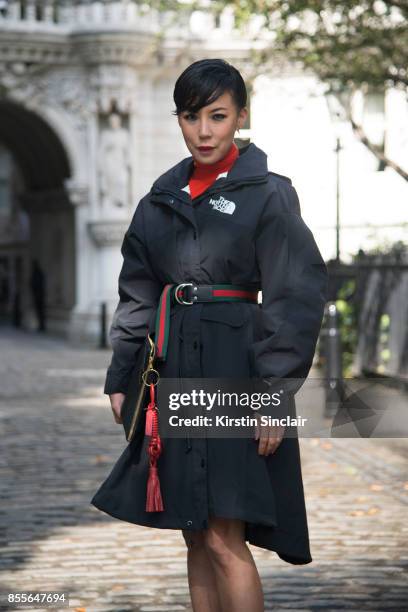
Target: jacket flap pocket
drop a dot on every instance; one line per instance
(230, 313)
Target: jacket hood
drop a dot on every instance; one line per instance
(251, 163)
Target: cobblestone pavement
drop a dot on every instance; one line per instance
(59, 442)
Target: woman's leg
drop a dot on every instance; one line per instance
(201, 575)
(238, 582)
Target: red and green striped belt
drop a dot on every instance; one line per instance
(189, 294)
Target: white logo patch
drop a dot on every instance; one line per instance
(223, 205)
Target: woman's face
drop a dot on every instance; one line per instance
(212, 126)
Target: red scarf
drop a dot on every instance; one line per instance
(205, 174)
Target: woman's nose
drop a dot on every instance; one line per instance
(204, 128)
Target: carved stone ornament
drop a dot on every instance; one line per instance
(116, 83)
(114, 164)
(108, 233)
(78, 194)
(65, 88)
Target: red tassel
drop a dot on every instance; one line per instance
(154, 502)
(149, 413)
(149, 421)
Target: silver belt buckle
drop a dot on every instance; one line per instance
(181, 286)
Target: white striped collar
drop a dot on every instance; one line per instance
(221, 175)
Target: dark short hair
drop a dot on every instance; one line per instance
(204, 81)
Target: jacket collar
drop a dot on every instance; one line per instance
(251, 164)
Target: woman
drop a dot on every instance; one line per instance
(219, 217)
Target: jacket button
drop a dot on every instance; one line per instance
(202, 463)
(189, 523)
(171, 201)
(195, 344)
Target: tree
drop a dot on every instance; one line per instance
(350, 45)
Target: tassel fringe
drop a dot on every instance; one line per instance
(154, 502)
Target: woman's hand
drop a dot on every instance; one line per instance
(269, 436)
(116, 400)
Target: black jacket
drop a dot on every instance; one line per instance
(245, 229)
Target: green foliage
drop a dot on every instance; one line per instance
(348, 324)
(344, 43)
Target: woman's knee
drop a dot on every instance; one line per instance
(194, 539)
(223, 539)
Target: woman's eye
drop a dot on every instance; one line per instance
(217, 117)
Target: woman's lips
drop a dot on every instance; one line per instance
(205, 150)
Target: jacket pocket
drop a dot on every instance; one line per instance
(224, 340)
(232, 314)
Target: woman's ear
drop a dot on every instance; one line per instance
(242, 117)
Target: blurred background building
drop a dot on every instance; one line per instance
(86, 126)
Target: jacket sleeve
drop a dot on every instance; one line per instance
(139, 292)
(294, 291)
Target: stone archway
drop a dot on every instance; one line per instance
(37, 222)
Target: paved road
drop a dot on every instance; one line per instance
(59, 442)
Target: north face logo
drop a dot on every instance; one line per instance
(223, 205)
